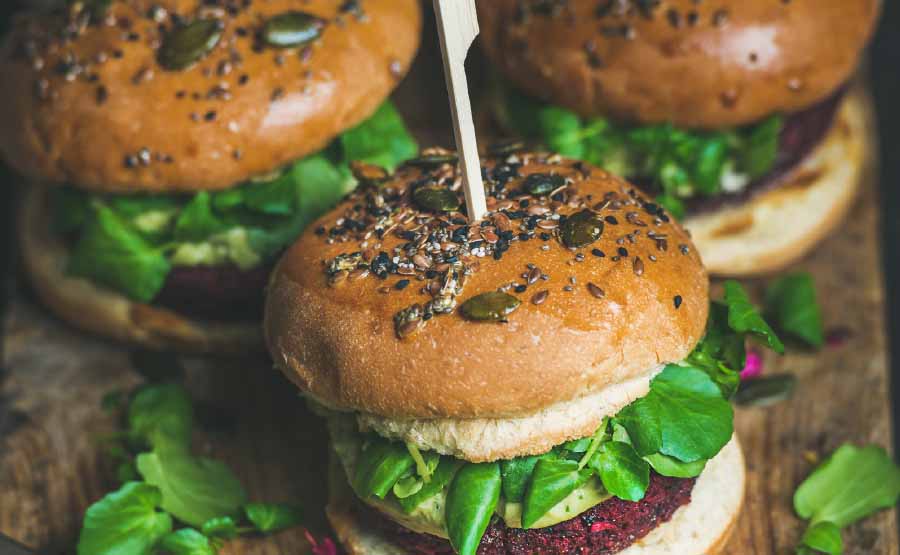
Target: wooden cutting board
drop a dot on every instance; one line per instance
(53, 379)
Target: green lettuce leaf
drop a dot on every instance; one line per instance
(442, 476)
(223, 527)
(381, 464)
(471, 501)
(791, 304)
(194, 490)
(124, 522)
(623, 473)
(382, 139)
(551, 482)
(684, 416)
(186, 541)
(269, 518)
(112, 253)
(162, 416)
(744, 318)
(822, 537)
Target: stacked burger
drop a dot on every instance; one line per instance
(173, 149)
(739, 117)
(549, 380)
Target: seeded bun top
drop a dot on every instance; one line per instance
(695, 64)
(113, 100)
(372, 308)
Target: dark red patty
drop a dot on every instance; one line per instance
(605, 529)
(217, 292)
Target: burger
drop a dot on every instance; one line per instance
(170, 150)
(742, 118)
(551, 379)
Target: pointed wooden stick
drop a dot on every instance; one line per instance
(457, 27)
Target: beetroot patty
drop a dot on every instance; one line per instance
(216, 292)
(802, 132)
(605, 529)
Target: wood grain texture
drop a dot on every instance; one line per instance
(52, 466)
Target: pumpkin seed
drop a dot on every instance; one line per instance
(436, 199)
(762, 392)
(290, 29)
(581, 229)
(184, 45)
(491, 306)
(539, 184)
(430, 160)
(505, 148)
(368, 174)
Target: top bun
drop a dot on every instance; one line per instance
(612, 310)
(694, 64)
(86, 98)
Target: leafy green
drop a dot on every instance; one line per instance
(197, 222)
(471, 500)
(761, 147)
(162, 416)
(269, 518)
(124, 522)
(112, 253)
(679, 163)
(822, 537)
(220, 527)
(683, 416)
(551, 482)
(744, 318)
(853, 483)
(623, 473)
(381, 465)
(382, 139)
(126, 242)
(187, 541)
(194, 490)
(670, 466)
(443, 474)
(791, 302)
(515, 474)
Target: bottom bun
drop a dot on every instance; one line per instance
(102, 311)
(701, 527)
(775, 228)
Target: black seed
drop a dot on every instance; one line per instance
(598, 253)
(677, 301)
(623, 252)
(611, 220)
(401, 285)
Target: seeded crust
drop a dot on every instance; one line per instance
(338, 343)
(291, 103)
(490, 439)
(105, 312)
(774, 229)
(702, 527)
(708, 65)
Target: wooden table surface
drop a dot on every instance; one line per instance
(53, 378)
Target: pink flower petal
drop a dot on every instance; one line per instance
(753, 366)
(325, 546)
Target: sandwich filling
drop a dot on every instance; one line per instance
(683, 421)
(688, 170)
(180, 249)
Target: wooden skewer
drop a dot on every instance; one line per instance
(457, 25)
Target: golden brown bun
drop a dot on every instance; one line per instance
(339, 343)
(702, 527)
(736, 63)
(102, 311)
(774, 229)
(292, 103)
